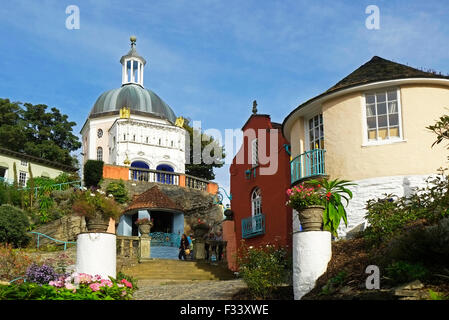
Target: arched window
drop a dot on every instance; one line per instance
(100, 154)
(256, 202)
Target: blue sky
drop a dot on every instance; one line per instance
(209, 59)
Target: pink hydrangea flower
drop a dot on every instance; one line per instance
(94, 286)
(126, 283)
(70, 286)
(104, 282)
(85, 278)
(97, 277)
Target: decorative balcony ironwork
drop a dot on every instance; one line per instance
(253, 226)
(309, 164)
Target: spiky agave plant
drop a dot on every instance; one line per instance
(335, 191)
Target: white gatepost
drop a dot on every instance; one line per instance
(96, 253)
(312, 252)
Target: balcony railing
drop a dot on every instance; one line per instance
(308, 164)
(196, 183)
(148, 175)
(253, 226)
(166, 177)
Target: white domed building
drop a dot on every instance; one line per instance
(132, 125)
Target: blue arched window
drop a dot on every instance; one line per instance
(137, 174)
(165, 178)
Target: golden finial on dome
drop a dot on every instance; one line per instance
(127, 162)
(125, 113)
(179, 122)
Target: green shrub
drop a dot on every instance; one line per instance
(334, 283)
(93, 173)
(10, 195)
(118, 190)
(424, 244)
(437, 295)
(13, 262)
(262, 268)
(389, 216)
(4, 193)
(401, 272)
(13, 226)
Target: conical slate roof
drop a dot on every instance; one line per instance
(375, 70)
(153, 199)
(379, 69)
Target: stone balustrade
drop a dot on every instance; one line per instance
(158, 176)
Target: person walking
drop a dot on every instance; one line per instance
(207, 248)
(183, 247)
(219, 239)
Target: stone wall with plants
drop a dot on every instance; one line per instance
(197, 204)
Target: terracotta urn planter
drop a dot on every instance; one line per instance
(98, 223)
(311, 218)
(200, 230)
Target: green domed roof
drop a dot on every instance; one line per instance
(136, 98)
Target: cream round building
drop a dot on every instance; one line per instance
(371, 128)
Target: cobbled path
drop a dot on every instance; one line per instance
(192, 290)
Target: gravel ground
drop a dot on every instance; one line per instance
(191, 290)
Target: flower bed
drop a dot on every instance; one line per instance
(75, 286)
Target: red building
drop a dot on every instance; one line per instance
(260, 176)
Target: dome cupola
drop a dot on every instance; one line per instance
(132, 95)
(132, 65)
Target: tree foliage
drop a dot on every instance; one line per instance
(13, 226)
(33, 130)
(93, 172)
(209, 146)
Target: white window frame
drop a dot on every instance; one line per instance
(307, 129)
(256, 202)
(254, 153)
(23, 181)
(24, 163)
(98, 154)
(367, 142)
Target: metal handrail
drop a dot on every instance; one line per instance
(46, 236)
(308, 164)
(53, 185)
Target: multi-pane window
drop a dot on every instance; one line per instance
(24, 163)
(256, 202)
(22, 178)
(254, 153)
(100, 154)
(382, 115)
(316, 132)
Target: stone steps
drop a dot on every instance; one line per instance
(164, 269)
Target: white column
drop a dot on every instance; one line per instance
(141, 76)
(96, 254)
(124, 73)
(132, 70)
(311, 254)
(139, 65)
